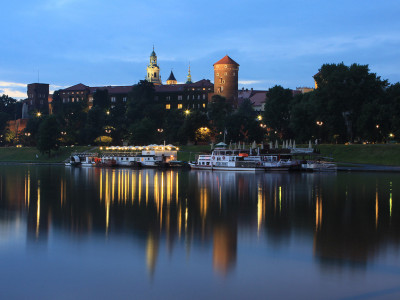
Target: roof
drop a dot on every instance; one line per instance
(113, 89)
(204, 83)
(77, 87)
(171, 76)
(226, 60)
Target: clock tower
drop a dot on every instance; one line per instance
(153, 70)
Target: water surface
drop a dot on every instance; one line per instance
(79, 233)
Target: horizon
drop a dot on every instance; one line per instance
(66, 42)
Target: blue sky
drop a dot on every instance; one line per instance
(275, 42)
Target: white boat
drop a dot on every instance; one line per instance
(223, 159)
(134, 160)
(319, 166)
(74, 161)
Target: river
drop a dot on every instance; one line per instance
(91, 233)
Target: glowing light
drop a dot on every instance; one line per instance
(187, 112)
(38, 114)
(259, 117)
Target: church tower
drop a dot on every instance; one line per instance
(171, 79)
(226, 79)
(189, 77)
(153, 70)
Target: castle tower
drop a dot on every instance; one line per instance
(171, 79)
(226, 79)
(189, 77)
(153, 70)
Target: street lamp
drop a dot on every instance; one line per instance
(107, 112)
(160, 130)
(187, 112)
(259, 117)
(38, 114)
(320, 123)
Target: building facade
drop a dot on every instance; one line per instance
(226, 79)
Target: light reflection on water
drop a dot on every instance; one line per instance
(201, 232)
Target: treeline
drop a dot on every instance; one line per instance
(350, 104)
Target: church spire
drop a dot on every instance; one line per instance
(189, 76)
(153, 70)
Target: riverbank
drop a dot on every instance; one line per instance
(351, 156)
(33, 155)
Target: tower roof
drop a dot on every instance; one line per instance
(171, 76)
(226, 60)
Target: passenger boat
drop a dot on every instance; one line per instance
(223, 159)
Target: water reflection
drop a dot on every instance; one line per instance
(348, 219)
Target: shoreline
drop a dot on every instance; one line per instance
(354, 167)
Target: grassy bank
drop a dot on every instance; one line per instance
(31, 154)
(363, 154)
(378, 154)
(188, 153)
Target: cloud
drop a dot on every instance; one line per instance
(12, 84)
(13, 93)
(246, 82)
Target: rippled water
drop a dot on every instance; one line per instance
(79, 233)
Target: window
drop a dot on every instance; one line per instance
(168, 106)
(226, 73)
(187, 97)
(179, 106)
(193, 97)
(73, 99)
(124, 99)
(91, 99)
(221, 80)
(193, 106)
(233, 73)
(198, 97)
(217, 74)
(168, 98)
(204, 96)
(179, 97)
(204, 105)
(155, 74)
(225, 66)
(112, 99)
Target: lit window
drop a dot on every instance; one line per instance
(168, 106)
(204, 105)
(179, 106)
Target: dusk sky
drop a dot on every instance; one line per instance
(281, 42)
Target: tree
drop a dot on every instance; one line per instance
(277, 110)
(48, 135)
(101, 99)
(243, 125)
(348, 98)
(218, 112)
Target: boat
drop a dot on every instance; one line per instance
(318, 166)
(74, 161)
(222, 159)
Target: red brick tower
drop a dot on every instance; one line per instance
(226, 79)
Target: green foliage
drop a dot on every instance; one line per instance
(349, 100)
(143, 131)
(218, 112)
(242, 125)
(103, 140)
(101, 99)
(48, 135)
(277, 112)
